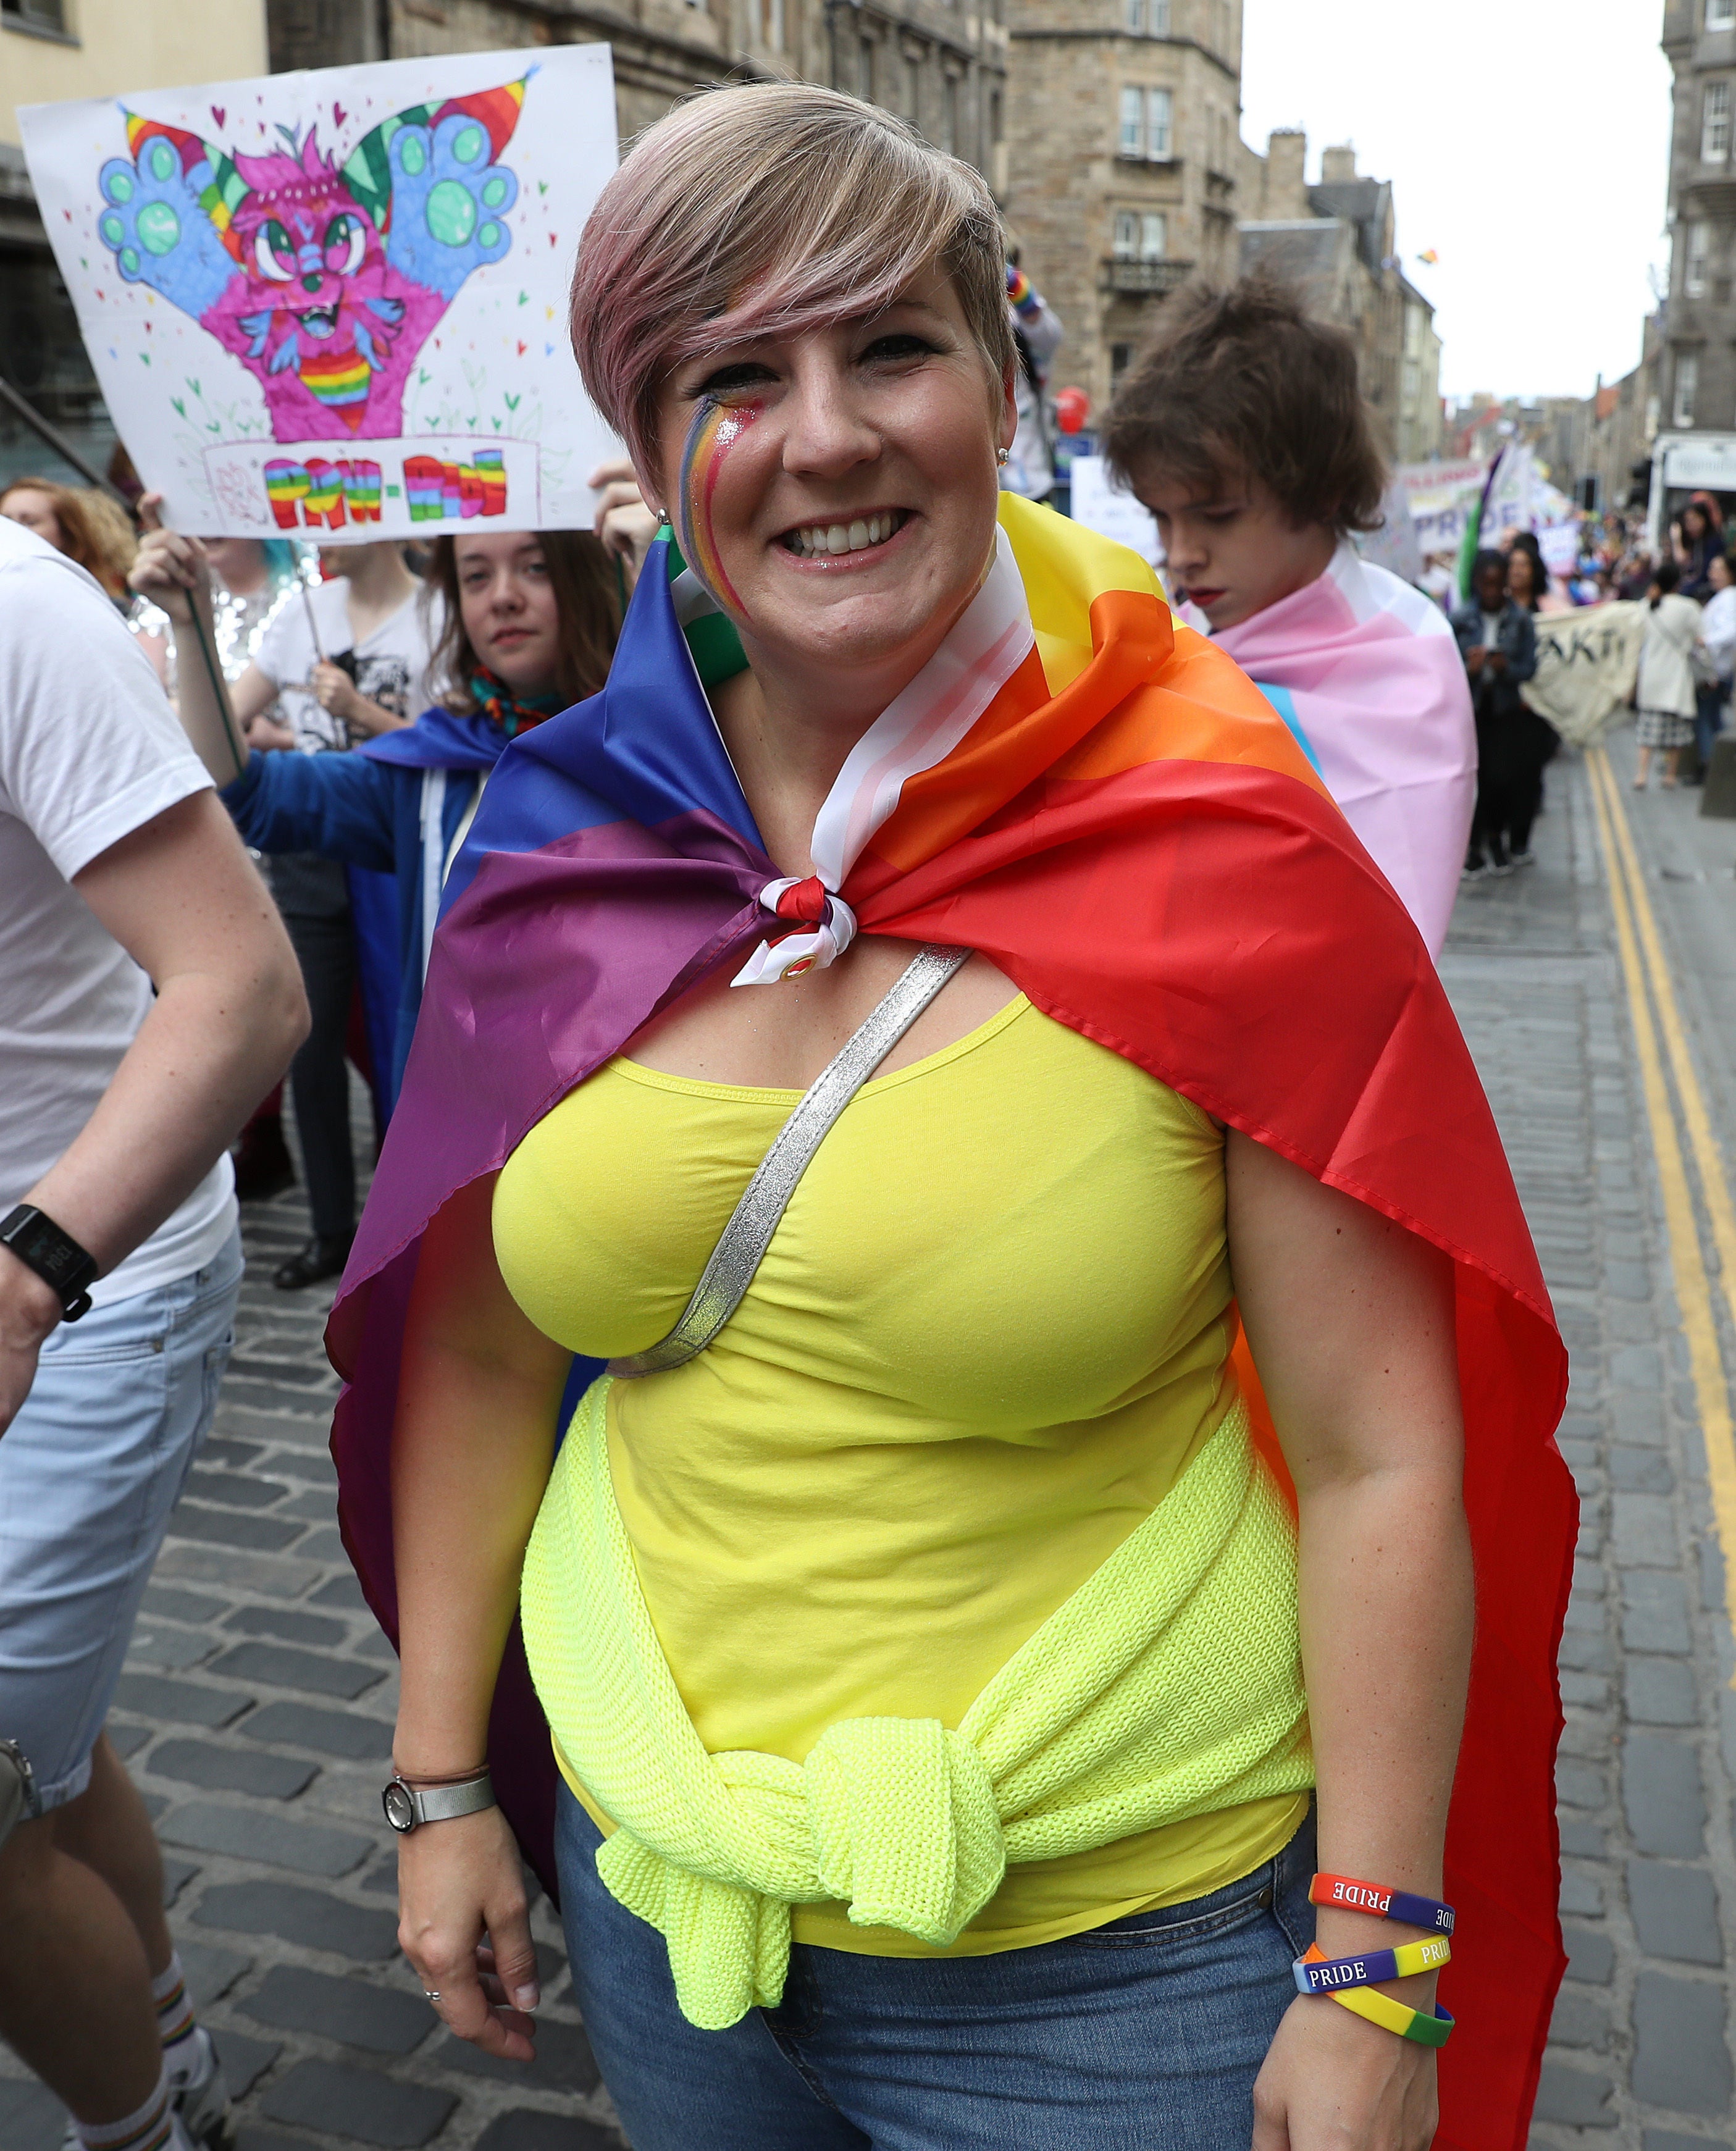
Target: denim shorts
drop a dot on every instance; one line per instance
(89, 1470)
(1144, 2035)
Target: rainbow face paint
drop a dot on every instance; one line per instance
(715, 430)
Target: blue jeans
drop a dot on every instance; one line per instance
(1145, 2035)
(89, 1470)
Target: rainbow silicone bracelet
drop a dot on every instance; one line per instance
(1323, 1974)
(1383, 1904)
(1396, 2016)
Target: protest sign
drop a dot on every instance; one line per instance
(1111, 511)
(1587, 663)
(335, 301)
(1441, 497)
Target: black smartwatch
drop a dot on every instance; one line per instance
(61, 1263)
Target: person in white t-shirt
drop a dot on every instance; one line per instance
(347, 661)
(149, 998)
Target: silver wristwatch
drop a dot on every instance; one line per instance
(408, 1806)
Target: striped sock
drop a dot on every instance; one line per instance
(175, 2024)
(151, 2129)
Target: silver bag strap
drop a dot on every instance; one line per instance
(745, 1239)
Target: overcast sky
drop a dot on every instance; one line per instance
(1527, 145)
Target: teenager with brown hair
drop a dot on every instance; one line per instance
(1241, 426)
(529, 626)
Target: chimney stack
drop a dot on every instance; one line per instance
(1338, 164)
(1286, 154)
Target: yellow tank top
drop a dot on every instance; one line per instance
(987, 1338)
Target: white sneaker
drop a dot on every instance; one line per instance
(201, 2097)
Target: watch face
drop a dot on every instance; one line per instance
(400, 1809)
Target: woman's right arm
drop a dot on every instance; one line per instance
(471, 1452)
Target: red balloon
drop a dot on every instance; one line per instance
(1072, 408)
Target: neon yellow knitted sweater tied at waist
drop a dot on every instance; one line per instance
(1168, 1685)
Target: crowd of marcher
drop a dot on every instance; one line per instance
(427, 659)
(1682, 690)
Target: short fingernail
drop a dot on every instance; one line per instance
(526, 1997)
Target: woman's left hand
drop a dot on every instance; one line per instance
(1332, 2082)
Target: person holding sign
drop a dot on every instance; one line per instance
(938, 1708)
(527, 621)
(346, 662)
(1240, 427)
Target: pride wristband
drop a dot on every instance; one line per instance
(1394, 2016)
(1322, 1975)
(1383, 1904)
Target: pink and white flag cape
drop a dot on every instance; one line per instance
(1365, 671)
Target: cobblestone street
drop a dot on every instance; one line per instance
(256, 1708)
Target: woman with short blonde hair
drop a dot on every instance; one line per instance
(892, 1064)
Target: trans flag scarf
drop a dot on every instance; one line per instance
(1365, 671)
(1099, 800)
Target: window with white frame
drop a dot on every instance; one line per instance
(1687, 387)
(1147, 18)
(1720, 14)
(1135, 18)
(1694, 257)
(1141, 234)
(1160, 124)
(1147, 128)
(1715, 123)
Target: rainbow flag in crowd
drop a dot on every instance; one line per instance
(1101, 802)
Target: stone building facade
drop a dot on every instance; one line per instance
(50, 51)
(1420, 415)
(1338, 240)
(1698, 386)
(940, 62)
(1125, 117)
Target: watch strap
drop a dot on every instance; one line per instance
(438, 1803)
(55, 1257)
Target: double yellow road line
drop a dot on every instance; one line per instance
(1653, 1006)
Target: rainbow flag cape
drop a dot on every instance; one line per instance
(1101, 802)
